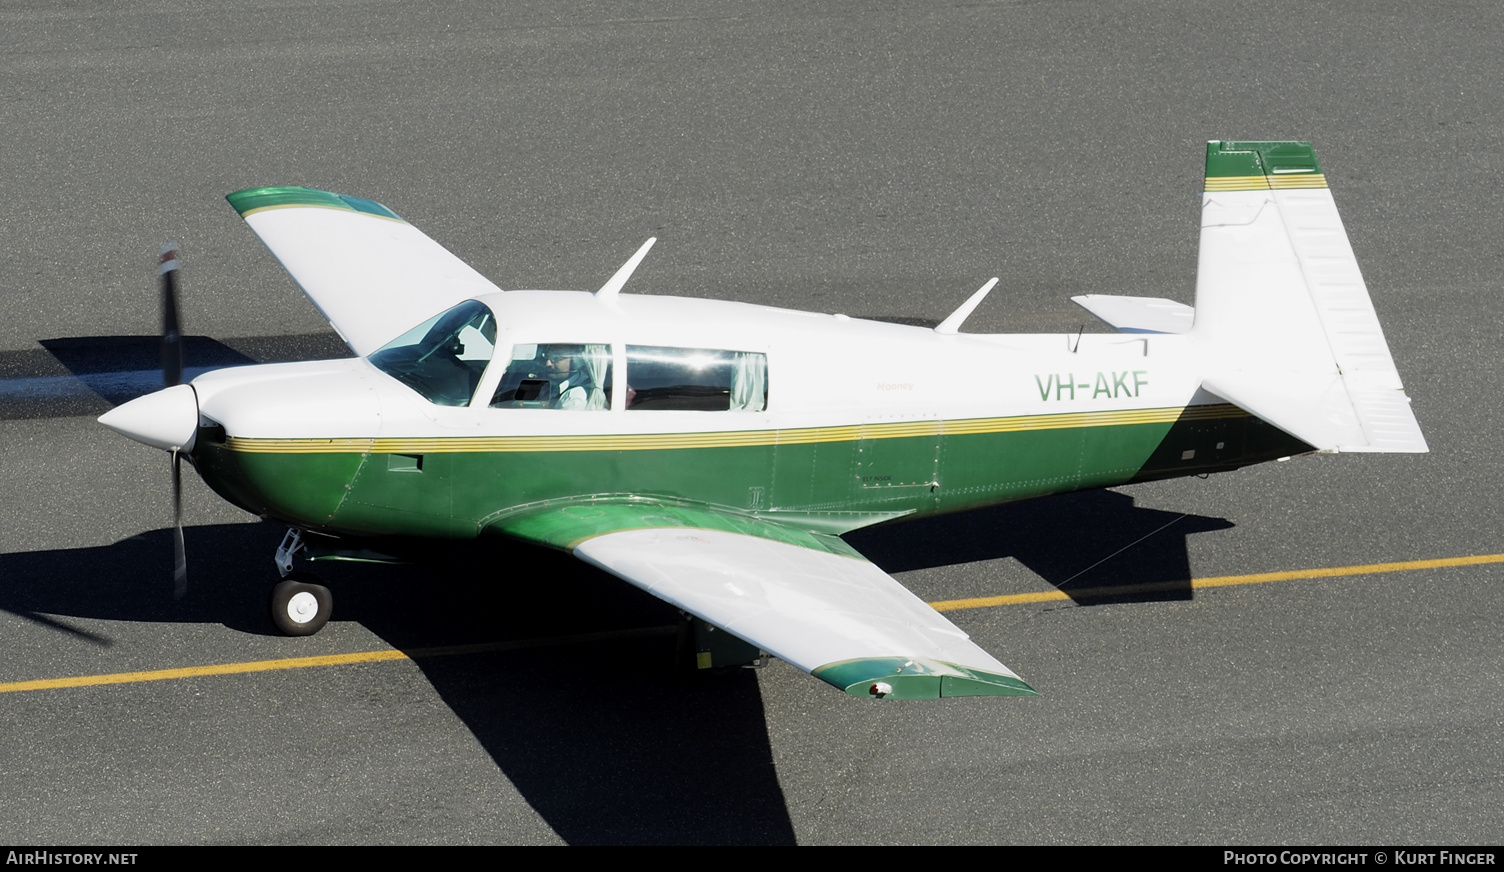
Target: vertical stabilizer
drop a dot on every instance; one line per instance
(1282, 312)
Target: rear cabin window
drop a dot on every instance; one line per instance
(696, 379)
(556, 375)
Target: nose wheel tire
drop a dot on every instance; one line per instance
(301, 607)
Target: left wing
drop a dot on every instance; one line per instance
(807, 598)
(371, 274)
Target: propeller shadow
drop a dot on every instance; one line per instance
(87, 375)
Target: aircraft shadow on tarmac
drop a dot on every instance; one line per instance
(604, 737)
(1095, 546)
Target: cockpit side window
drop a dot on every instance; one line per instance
(556, 375)
(696, 379)
(443, 358)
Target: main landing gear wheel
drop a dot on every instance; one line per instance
(301, 606)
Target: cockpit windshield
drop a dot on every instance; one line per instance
(443, 358)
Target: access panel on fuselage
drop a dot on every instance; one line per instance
(812, 469)
(896, 464)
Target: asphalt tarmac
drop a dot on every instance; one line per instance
(877, 159)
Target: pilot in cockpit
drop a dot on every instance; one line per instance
(556, 376)
(569, 383)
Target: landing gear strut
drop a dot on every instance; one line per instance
(300, 606)
(705, 649)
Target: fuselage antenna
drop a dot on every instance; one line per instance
(951, 324)
(613, 285)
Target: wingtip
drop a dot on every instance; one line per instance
(903, 678)
(253, 200)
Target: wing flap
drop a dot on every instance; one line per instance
(371, 274)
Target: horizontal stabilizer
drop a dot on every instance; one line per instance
(1325, 412)
(1138, 314)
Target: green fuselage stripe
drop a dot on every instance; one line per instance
(819, 478)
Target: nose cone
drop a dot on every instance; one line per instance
(167, 419)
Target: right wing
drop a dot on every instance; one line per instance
(807, 598)
(373, 275)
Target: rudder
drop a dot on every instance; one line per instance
(1282, 312)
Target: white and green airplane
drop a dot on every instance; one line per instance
(713, 453)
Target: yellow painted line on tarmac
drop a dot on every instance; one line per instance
(1015, 599)
(195, 671)
(320, 660)
(519, 644)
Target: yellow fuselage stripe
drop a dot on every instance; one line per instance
(942, 606)
(1283, 182)
(730, 439)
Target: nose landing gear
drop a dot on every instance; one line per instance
(300, 606)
